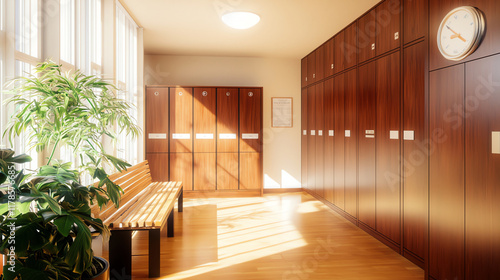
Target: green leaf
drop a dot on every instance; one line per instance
(64, 224)
(54, 206)
(80, 254)
(21, 159)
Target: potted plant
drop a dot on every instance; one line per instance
(52, 220)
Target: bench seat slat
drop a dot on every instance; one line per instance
(166, 193)
(168, 205)
(137, 205)
(144, 211)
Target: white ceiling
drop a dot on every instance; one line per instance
(288, 28)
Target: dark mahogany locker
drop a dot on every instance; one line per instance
(320, 138)
(446, 225)
(388, 15)
(157, 120)
(181, 120)
(303, 66)
(482, 169)
(304, 134)
(367, 36)
(338, 108)
(366, 140)
(415, 20)
(340, 48)
(415, 163)
(250, 120)
(227, 139)
(329, 60)
(388, 185)
(329, 151)
(350, 45)
(311, 68)
(320, 61)
(311, 138)
(350, 143)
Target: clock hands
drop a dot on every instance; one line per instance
(456, 35)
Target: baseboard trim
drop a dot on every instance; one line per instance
(284, 190)
(220, 193)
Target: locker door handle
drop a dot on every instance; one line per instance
(409, 135)
(394, 134)
(396, 35)
(314, 75)
(332, 66)
(373, 46)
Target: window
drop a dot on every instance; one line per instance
(67, 33)
(3, 113)
(126, 76)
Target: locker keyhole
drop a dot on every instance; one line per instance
(180, 93)
(228, 93)
(157, 93)
(250, 94)
(204, 93)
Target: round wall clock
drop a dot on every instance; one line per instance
(460, 32)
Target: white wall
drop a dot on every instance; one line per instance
(278, 77)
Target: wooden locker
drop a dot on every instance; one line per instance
(482, 169)
(388, 185)
(250, 120)
(415, 163)
(388, 15)
(339, 52)
(415, 20)
(311, 68)
(329, 151)
(303, 72)
(367, 30)
(320, 138)
(181, 169)
(227, 120)
(311, 138)
(446, 225)
(350, 46)
(156, 120)
(181, 120)
(338, 107)
(251, 171)
(158, 165)
(320, 59)
(204, 120)
(204, 171)
(304, 134)
(366, 142)
(227, 171)
(329, 58)
(350, 143)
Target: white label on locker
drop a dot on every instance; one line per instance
(409, 135)
(495, 142)
(372, 132)
(204, 136)
(369, 136)
(250, 136)
(227, 136)
(347, 133)
(394, 134)
(181, 136)
(304, 132)
(313, 132)
(330, 133)
(320, 132)
(157, 136)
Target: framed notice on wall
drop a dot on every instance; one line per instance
(282, 111)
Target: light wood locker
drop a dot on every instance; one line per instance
(204, 171)
(320, 138)
(251, 171)
(304, 136)
(181, 169)
(250, 120)
(350, 143)
(311, 138)
(156, 120)
(338, 108)
(329, 151)
(204, 120)
(227, 171)
(158, 165)
(388, 184)
(181, 120)
(227, 120)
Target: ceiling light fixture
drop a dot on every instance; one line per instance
(240, 20)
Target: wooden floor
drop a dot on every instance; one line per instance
(277, 236)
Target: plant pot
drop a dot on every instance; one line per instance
(104, 274)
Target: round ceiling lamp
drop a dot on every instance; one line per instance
(240, 20)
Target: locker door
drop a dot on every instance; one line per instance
(339, 52)
(350, 138)
(156, 120)
(311, 138)
(415, 20)
(366, 36)
(305, 132)
(181, 120)
(204, 171)
(320, 138)
(366, 142)
(227, 171)
(204, 120)
(227, 120)
(338, 107)
(446, 224)
(304, 82)
(329, 140)
(388, 26)
(320, 61)
(158, 165)
(329, 59)
(349, 47)
(251, 120)
(388, 147)
(311, 68)
(181, 169)
(251, 171)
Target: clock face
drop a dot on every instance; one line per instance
(460, 33)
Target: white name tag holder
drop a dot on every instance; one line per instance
(204, 136)
(250, 136)
(181, 136)
(227, 136)
(157, 136)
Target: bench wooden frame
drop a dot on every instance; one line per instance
(145, 205)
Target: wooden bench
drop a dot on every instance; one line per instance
(145, 205)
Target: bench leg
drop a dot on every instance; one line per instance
(180, 202)
(120, 255)
(170, 224)
(154, 253)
